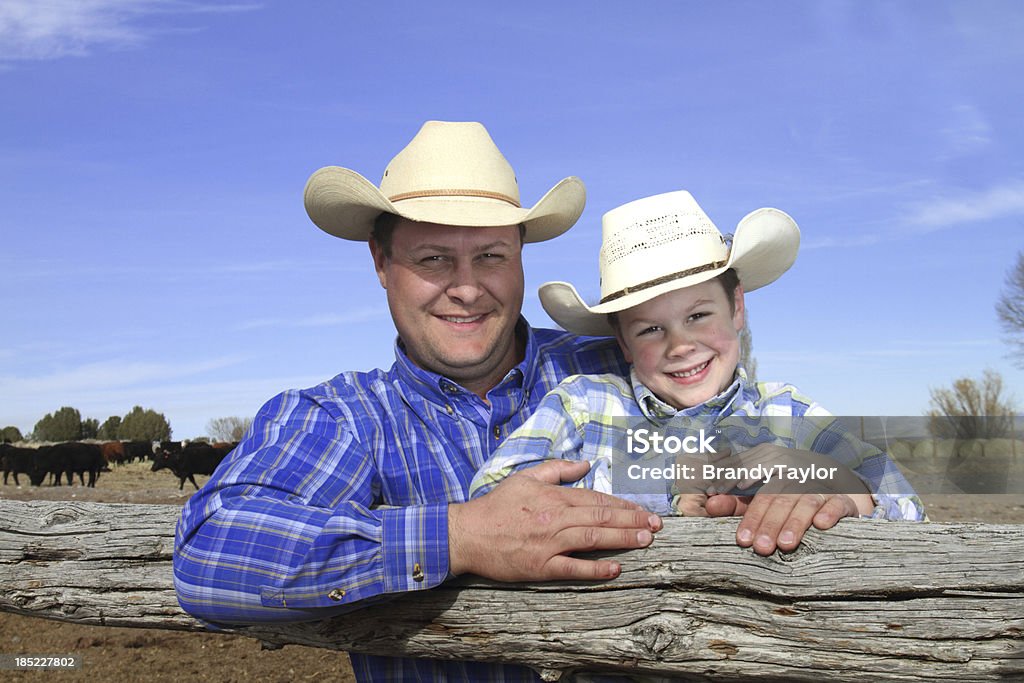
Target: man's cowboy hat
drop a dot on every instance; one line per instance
(452, 174)
(666, 242)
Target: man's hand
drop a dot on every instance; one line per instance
(525, 529)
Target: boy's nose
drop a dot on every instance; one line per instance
(680, 344)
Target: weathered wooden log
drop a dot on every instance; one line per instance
(865, 601)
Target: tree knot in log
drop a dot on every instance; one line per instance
(63, 515)
(657, 634)
(807, 548)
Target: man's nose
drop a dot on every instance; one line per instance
(464, 286)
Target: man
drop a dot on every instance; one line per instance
(356, 488)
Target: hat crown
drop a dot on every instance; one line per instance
(450, 159)
(656, 237)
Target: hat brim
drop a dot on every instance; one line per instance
(345, 204)
(764, 247)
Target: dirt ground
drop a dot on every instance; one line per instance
(129, 655)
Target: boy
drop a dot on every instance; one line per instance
(672, 291)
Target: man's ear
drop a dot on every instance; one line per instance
(739, 309)
(380, 260)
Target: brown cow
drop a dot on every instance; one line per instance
(113, 452)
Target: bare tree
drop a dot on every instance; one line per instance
(228, 428)
(747, 359)
(1010, 309)
(972, 409)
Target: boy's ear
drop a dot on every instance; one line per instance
(739, 310)
(379, 261)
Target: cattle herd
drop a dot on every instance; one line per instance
(64, 460)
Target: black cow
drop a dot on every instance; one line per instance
(69, 459)
(143, 450)
(16, 461)
(48, 463)
(196, 458)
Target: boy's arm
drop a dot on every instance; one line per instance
(893, 497)
(554, 431)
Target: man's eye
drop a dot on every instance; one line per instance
(436, 258)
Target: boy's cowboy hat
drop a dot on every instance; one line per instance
(666, 242)
(452, 174)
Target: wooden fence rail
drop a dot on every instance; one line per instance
(866, 601)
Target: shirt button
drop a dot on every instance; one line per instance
(448, 407)
(497, 432)
(417, 572)
(337, 594)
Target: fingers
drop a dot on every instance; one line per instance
(566, 471)
(781, 520)
(691, 505)
(596, 516)
(836, 508)
(525, 528)
(567, 568)
(725, 505)
(557, 471)
(762, 522)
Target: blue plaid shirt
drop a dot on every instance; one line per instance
(583, 420)
(339, 494)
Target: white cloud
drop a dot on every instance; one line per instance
(50, 29)
(115, 374)
(997, 202)
(968, 131)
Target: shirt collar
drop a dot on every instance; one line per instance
(439, 388)
(654, 408)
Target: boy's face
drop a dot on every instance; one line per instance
(684, 345)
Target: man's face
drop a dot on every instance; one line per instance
(455, 295)
(684, 345)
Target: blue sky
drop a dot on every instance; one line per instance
(153, 154)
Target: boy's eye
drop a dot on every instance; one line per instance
(698, 316)
(649, 330)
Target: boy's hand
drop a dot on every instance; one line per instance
(773, 520)
(783, 510)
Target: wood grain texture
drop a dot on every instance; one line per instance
(865, 601)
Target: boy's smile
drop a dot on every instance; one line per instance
(684, 345)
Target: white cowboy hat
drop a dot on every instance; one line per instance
(666, 242)
(450, 173)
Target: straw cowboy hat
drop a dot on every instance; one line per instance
(452, 174)
(666, 242)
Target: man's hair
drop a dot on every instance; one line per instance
(384, 230)
(729, 281)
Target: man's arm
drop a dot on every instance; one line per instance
(286, 530)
